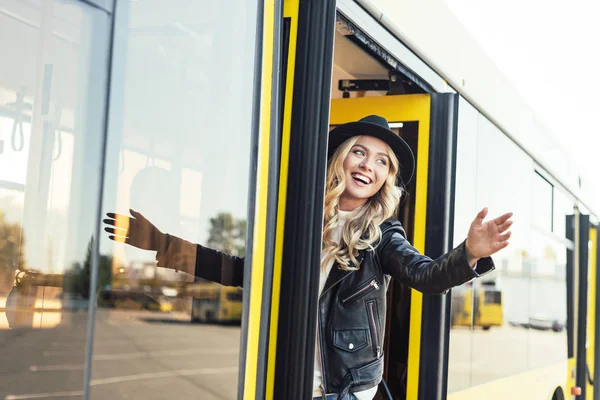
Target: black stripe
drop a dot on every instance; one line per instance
(272, 199)
(570, 235)
(252, 168)
(304, 207)
(435, 322)
(96, 4)
(584, 236)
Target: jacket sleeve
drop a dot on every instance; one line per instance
(219, 267)
(200, 261)
(404, 263)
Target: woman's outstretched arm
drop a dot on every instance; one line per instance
(405, 264)
(173, 252)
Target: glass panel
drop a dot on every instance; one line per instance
(459, 362)
(502, 349)
(179, 154)
(487, 338)
(542, 203)
(563, 206)
(513, 319)
(548, 304)
(53, 80)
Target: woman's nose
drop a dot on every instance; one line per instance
(365, 165)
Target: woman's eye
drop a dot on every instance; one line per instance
(382, 161)
(359, 152)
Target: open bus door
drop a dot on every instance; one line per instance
(416, 365)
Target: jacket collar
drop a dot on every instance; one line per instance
(337, 275)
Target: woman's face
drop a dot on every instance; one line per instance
(366, 167)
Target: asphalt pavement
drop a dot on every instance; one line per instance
(137, 355)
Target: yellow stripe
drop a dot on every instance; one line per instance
(416, 300)
(591, 322)
(290, 10)
(260, 211)
(404, 108)
(572, 362)
(401, 108)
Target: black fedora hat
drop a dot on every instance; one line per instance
(376, 126)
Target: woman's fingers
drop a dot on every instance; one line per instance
(505, 226)
(481, 215)
(117, 216)
(109, 221)
(136, 214)
(120, 239)
(118, 220)
(505, 236)
(502, 245)
(120, 232)
(503, 218)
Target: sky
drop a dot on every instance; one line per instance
(550, 50)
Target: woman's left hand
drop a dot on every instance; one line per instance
(486, 238)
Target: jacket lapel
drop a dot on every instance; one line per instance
(336, 275)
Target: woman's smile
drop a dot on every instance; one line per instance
(360, 179)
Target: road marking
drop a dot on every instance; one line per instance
(98, 342)
(128, 378)
(127, 356)
(41, 395)
(63, 367)
(144, 354)
(164, 374)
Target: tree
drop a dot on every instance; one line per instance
(227, 234)
(77, 280)
(12, 243)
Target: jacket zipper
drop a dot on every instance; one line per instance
(323, 392)
(373, 285)
(323, 381)
(376, 345)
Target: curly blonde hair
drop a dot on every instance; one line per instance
(361, 230)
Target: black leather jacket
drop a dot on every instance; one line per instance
(352, 306)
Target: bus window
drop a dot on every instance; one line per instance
(53, 89)
(179, 148)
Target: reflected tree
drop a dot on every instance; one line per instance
(77, 280)
(11, 251)
(227, 234)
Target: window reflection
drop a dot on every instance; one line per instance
(460, 352)
(513, 319)
(178, 156)
(53, 79)
(542, 191)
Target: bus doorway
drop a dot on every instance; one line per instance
(363, 84)
(408, 116)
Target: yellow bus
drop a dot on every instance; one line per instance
(212, 302)
(485, 310)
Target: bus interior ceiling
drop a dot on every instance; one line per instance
(361, 60)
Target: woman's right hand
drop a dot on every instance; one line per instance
(136, 231)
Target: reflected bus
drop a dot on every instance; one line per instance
(214, 303)
(484, 311)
